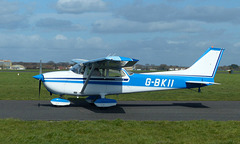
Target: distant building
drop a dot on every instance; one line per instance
(18, 67)
(129, 68)
(176, 68)
(152, 69)
(5, 64)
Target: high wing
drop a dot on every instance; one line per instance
(109, 62)
(79, 60)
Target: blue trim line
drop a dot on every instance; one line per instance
(218, 61)
(102, 79)
(90, 82)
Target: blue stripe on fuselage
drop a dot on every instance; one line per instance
(101, 81)
(164, 81)
(142, 80)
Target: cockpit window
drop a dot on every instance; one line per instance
(77, 69)
(98, 72)
(116, 73)
(129, 72)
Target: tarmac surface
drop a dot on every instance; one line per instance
(126, 110)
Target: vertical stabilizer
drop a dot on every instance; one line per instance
(205, 66)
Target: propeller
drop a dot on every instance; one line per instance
(40, 83)
(39, 90)
(40, 79)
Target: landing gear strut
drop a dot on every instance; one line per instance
(199, 89)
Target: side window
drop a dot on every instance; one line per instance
(116, 73)
(104, 72)
(98, 72)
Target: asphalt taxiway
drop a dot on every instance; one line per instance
(126, 110)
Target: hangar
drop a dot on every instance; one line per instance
(7, 64)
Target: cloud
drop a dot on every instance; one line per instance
(126, 26)
(57, 24)
(10, 16)
(8, 7)
(236, 44)
(80, 6)
(150, 31)
(163, 12)
(157, 51)
(60, 48)
(60, 37)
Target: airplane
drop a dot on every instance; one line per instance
(106, 76)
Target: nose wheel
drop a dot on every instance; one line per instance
(60, 101)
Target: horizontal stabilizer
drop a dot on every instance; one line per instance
(202, 83)
(197, 84)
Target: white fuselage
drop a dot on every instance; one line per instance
(70, 83)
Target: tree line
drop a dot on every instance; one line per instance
(147, 67)
(164, 67)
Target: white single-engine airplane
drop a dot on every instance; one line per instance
(106, 76)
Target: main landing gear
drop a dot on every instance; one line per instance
(101, 101)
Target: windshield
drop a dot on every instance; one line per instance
(129, 72)
(77, 69)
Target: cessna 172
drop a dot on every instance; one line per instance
(106, 76)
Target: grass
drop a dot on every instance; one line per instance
(24, 87)
(20, 87)
(119, 131)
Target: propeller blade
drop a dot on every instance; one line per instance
(40, 82)
(39, 91)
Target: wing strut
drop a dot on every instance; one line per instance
(88, 78)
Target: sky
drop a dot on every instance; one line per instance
(172, 32)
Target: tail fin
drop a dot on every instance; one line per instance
(205, 66)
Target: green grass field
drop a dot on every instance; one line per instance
(24, 87)
(119, 132)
